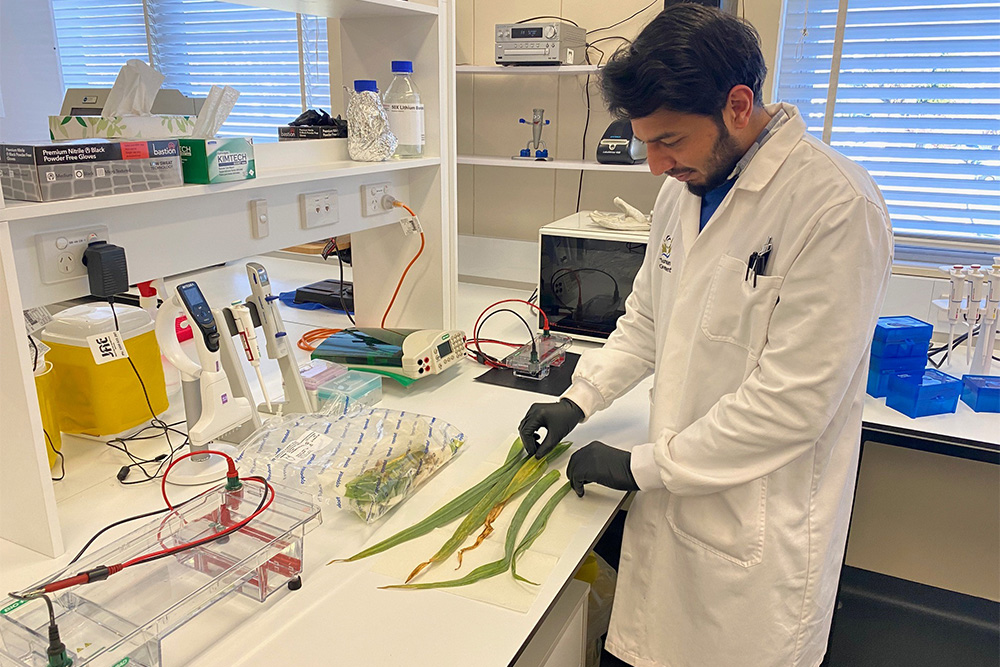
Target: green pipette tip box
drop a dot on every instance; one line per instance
(217, 160)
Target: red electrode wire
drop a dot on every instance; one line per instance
(100, 573)
(475, 329)
(400, 204)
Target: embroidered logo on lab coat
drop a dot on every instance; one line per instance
(665, 248)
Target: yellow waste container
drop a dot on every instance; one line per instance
(104, 399)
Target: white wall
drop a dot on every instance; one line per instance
(510, 203)
(30, 79)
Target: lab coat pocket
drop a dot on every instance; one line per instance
(736, 311)
(729, 524)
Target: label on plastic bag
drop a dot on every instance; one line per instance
(303, 446)
(107, 347)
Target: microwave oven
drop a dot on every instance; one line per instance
(585, 273)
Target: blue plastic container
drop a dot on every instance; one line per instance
(883, 368)
(981, 392)
(922, 393)
(902, 336)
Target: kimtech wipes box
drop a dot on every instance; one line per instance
(217, 160)
(87, 168)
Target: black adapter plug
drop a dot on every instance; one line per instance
(106, 269)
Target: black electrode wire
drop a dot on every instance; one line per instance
(59, 455)
(133, 518)
(608, 27)
(560, 18)
(531, 333)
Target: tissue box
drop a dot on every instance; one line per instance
(120, 127)
(297, 132)
(70, 170)
(217, 160)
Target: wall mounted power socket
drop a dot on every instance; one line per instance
(60, 254)
(371, 199)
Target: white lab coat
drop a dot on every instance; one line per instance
(733, 547)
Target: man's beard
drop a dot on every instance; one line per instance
(726, 152)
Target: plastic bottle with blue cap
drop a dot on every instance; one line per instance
(405, 111)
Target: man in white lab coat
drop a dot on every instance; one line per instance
(766, 267)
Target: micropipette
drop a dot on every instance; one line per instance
(955, 297)
(977, 281)
(248, 334)
(992, 313)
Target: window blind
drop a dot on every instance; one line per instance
(917, 104)
(200, 43)
(96, 37)
(277, 60)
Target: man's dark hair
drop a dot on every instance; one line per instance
(687, 60)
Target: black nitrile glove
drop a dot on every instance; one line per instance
(604, 465)
(558, 419)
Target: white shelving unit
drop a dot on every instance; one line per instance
(577, 165)
(171, 231)
(528, 70)
(516, 70)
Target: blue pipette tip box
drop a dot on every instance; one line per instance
(902, 336)
(981, 392)
(923, 393)
(881, 369)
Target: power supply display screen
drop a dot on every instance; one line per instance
(444, 349)
(526, 33)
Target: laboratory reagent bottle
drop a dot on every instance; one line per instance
(405, 111)
(369, 137)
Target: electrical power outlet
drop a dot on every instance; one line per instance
(371, 198)
(60, 254)
(320, 208)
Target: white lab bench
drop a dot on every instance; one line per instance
(340, 615)
(339, 612)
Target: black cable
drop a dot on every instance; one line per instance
(34, 351)
(340, 260)
(936, 351)
(535, 18)
(62, 459)
(155, 422)
(56, 649)
(586, 123)
(132, 518)
(624, 20)
(531, 333)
